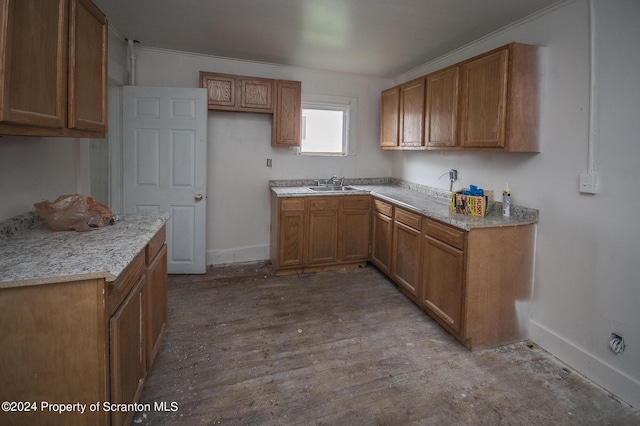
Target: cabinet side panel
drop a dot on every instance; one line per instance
(54, 349)
(499, 277)
(524, 100)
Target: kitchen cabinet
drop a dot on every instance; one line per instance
(405, 260)
(86, 340)
(287, 232)
(389, 118)
(54, 59)
(127, 352)
(499, 101)
(287, 114)
(319, 233)
(353, 235)
(442, 278)
(322, 245)
(402, 116)
(381, 233)
(441, 116)
(156, 303)
(488, 103)
(281, 98)
(412, 114)
(228, 92)
(477, 283)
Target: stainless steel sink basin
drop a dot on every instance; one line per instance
(331, 188)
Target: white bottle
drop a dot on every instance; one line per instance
(506, 201)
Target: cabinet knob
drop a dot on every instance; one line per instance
(198, 197)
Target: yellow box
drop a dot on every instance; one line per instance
(470, 204)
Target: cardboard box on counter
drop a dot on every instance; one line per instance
(471, 205)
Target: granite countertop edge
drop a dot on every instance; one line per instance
(431, 202)
(32, 254)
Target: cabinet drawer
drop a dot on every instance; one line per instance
(356, 203)
(292, 204)
(444, 233)
(382, 207)
(154, 246)
(119, 289)
(408, 218)
(322, 203)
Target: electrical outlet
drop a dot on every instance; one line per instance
(269, 163)
(588, 183)
(616, 342)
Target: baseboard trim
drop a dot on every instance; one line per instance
(237, 255)
(604, 375)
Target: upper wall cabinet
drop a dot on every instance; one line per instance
(412, 114)
(282, 98)
(287, 114)
(238, 93)
(54, 63)
(499, 106)
(487, 103)
(402, 116)
(389, 118)
(441, 115)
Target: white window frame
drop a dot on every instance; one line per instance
(348, 106)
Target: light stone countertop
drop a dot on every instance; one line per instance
(34, 254)
(430, 202)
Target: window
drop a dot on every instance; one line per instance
(325, 128)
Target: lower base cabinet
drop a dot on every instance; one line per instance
(311, 234)
(127, 352)
(381, 233)
(405, 259)
(442, 281)
(86, 342)
(476, 284)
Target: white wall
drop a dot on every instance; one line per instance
(35, 169)
(588, 246)
(239, 144)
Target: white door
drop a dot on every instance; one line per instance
(164, 163)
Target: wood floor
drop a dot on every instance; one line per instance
(345, 348)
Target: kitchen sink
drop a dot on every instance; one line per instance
(331, 188)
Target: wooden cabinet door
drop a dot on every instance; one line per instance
(287, 114)
(442, 281)
(291, 225)
(412, 114)
(156, 304)
(322, 244)
(127, 352)
(381, 234)
(405, 264)
(389, 118)
(484, 98)
(256, 94)
(88, 32)
(33, 90)
(441, 119)
(221, 90)
(354, 228)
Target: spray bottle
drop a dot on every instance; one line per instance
(506, 201)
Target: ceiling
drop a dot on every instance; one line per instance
(375, 37)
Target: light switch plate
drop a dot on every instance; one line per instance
(588, 183)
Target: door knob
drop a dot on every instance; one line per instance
(198, 197)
